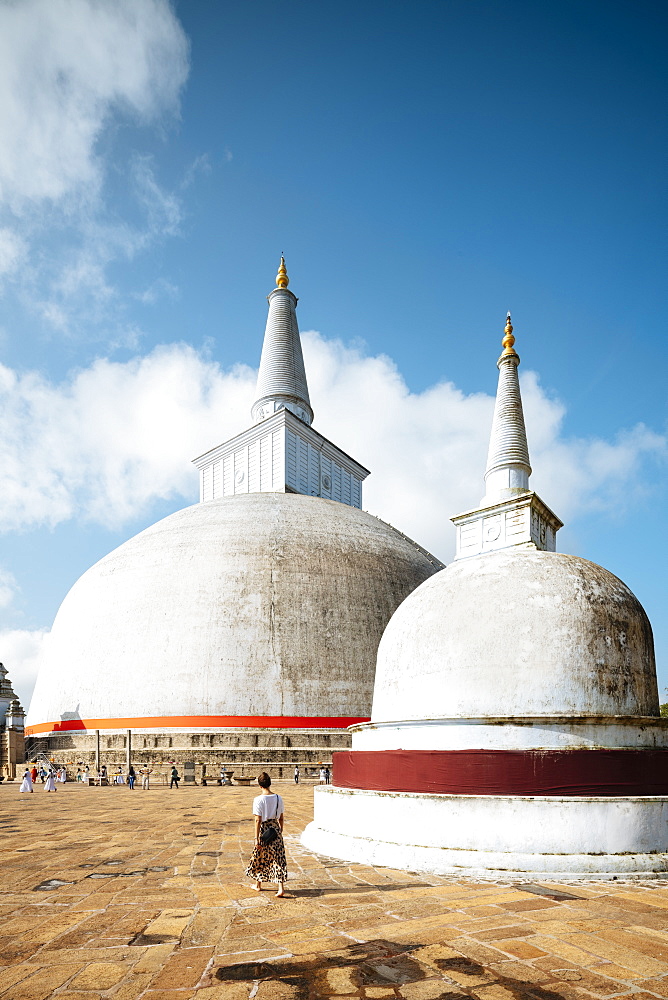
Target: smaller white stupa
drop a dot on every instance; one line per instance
(515, 724)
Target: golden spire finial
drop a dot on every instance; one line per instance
(508, 339)
(282, 280)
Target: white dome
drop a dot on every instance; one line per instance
(266, 604)
(518, 632)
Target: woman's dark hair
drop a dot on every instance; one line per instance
(263, 780)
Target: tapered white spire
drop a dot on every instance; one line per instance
(281, 381)
(510, 514)
(508, 468)
(281, 452)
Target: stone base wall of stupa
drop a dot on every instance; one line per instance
(245, 751)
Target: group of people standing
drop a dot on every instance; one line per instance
(145, 773)
(49, 776)
(119, 777)
(325, 775)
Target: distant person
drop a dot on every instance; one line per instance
(131, 777)
(119, 779)
(26, 784)
(104, 771)
(323, 776)
(33, 774)
(175, 778)
(267, 861)
(78, 774)
(50, 783)
(297, 774)
(145, 777)
(328, 775)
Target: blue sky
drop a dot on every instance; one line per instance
(424, 168)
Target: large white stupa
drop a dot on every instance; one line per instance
(258, 609)
(515, 724)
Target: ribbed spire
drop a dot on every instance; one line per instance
(508, 468)
(510, 514)
(281, 381)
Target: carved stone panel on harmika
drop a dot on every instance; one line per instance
(515, 725)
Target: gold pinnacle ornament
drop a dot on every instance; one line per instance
(508, 339)
(282, 280)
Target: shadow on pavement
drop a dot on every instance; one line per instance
(379, 963)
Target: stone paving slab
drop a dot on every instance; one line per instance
(107, 892)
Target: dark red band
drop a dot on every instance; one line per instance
(505, 772)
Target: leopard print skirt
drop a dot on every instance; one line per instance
(267, 863)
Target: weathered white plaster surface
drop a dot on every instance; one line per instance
(518, 632)
(260, 604)
(492, 835)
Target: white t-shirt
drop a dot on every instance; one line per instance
(264, 806)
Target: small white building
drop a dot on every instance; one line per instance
(11, 727)
(515, 724)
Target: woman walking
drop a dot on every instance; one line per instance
(267, 861)
(131, 777)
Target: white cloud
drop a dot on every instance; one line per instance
(201, 165)
(69, 69)
(12, 251)
(22, 652)
(580, 474)
(65, 67)
(8, 588)
(114, 437)
(157, 290)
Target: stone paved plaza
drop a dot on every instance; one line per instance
(113, 893)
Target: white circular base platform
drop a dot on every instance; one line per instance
(493, 836)
(505, 733)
